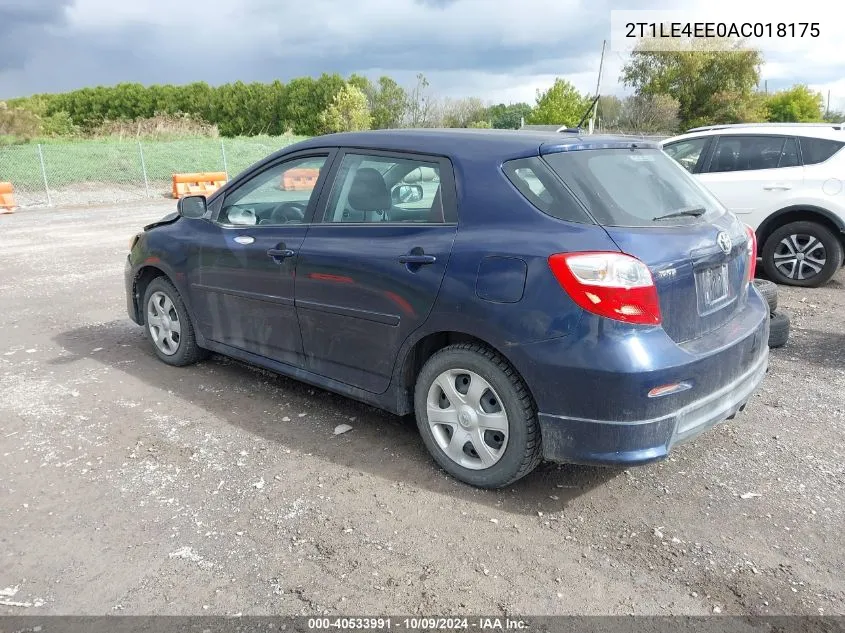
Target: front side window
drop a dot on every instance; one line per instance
(634, 187)
(688, 152)
(746, 153)
(371, 189)
(278, 195)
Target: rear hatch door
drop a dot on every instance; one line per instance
(654, 210)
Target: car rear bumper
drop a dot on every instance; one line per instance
(575, 440)
(594, 390)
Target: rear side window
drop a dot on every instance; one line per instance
(747, 153)
(634, 187)
(818, 150)
(536, 182)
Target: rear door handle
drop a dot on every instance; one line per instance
(777, 186)
(418, 260)
(280, 254)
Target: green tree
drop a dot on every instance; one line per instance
(422, 107)
(834, 116)
(362, 83)
(609, 112)
(508, 117)
(561, 104)
(388, 104)
(693, 73)
(462, 112)
(18, 124)
(649, 114)
(798, 104)
(348, 112)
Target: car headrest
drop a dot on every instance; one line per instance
(369, 191)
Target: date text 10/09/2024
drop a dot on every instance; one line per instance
(706, 30)
(417, 624)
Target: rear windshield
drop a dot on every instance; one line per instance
(634, 187)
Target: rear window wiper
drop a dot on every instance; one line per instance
(694, 212)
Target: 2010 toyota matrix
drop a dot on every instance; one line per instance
(578, 299)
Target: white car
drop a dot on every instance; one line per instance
(786, 181)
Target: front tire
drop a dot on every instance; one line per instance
(476, 416)
(168, 325)
(805, 254)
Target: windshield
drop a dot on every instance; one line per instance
(634, 187)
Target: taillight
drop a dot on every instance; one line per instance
(752, 252)
(612, 285)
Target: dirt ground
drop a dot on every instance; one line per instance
(131, 487)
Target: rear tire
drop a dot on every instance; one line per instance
(805, 254)
(476, 416)
(779, 327)
(769, 290)
(168, 325)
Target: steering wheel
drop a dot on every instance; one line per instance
(288, 212)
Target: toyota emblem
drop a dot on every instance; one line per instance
(724, 242)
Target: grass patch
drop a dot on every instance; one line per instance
(109, 160)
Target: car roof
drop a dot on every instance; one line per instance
(467, 144)
(795, 129)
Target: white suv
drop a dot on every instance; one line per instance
(787, 181)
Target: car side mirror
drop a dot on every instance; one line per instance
(406, 193)
(192, 207)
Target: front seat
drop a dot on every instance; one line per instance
(369, 195)
(725, 159)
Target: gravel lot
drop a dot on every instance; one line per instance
(131, 487)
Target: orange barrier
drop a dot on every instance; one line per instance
(197, 184)
(299, 178)
(7, 198)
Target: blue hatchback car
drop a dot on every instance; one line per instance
(578, 299)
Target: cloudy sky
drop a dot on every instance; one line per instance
(500, 50)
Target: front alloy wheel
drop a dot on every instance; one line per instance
(163, 322)
(169, 326)
(803, 254)
(800, 256)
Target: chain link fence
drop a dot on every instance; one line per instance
(103, 171)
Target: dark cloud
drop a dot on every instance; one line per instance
(22, 23)
(261, 40)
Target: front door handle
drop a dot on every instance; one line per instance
(417, 260)
(280, 254)
(777, 186)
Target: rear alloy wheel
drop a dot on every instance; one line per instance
(803, 254)
(476, 416)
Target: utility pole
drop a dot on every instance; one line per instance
(827, 108)
(598, 88)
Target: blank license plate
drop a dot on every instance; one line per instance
(713, 288)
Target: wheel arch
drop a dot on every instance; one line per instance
(419, 350)
(800, 213)
(144, 277)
